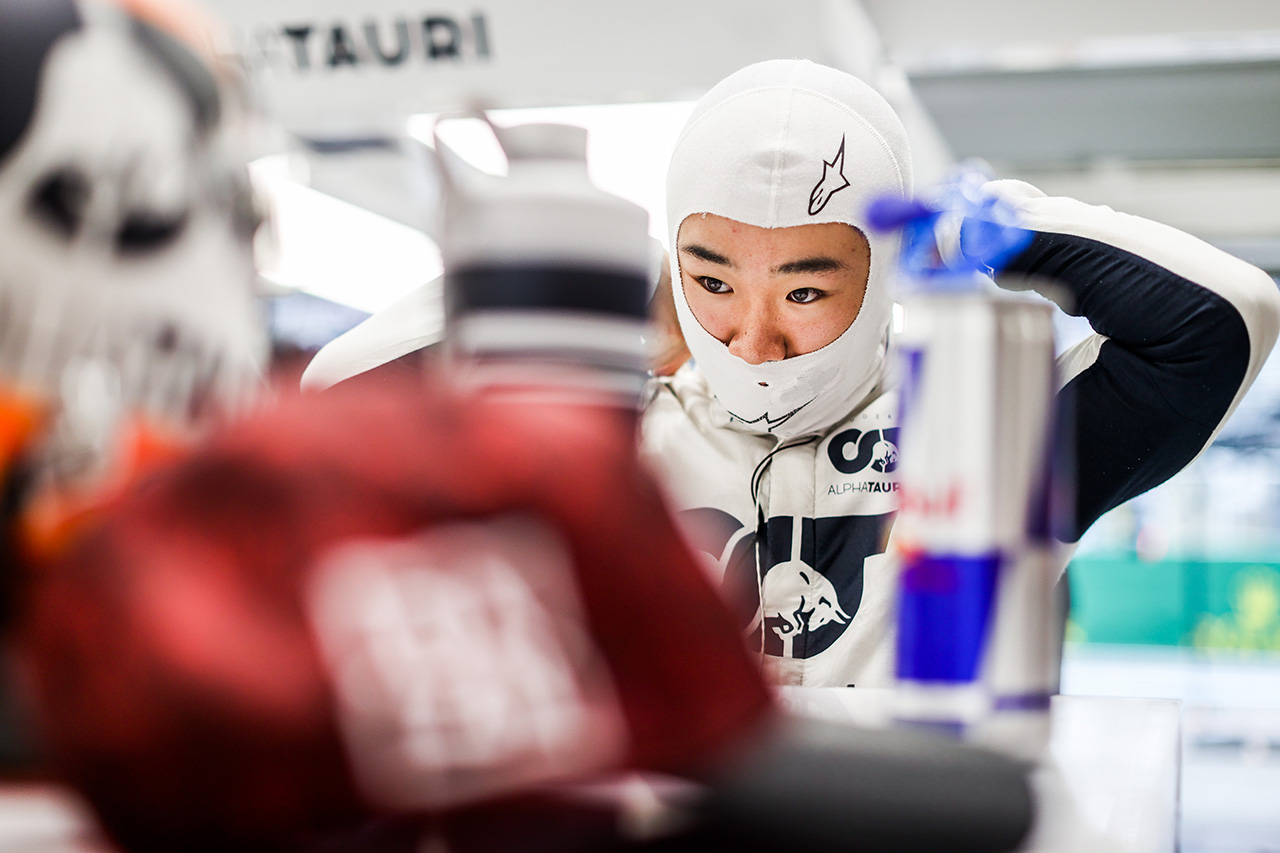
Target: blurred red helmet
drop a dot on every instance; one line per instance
(382, 600)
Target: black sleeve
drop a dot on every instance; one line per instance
(1174, 357)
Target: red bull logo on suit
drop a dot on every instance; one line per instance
(801, 597)
(810, 577)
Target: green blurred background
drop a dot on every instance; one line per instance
(1214, 605)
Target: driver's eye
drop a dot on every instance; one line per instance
(713, 285)
(805, 295)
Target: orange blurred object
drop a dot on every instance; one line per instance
(52, 516)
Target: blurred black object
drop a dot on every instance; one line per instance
(819, 786)
(804, 785)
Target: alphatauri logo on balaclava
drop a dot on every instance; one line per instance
(833, 180)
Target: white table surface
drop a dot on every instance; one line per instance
(1108, 784)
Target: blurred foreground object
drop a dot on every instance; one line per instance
(395, 609)
(544, 271)
(977, 632)
(346, 589)
(546, 275)
(126, 222)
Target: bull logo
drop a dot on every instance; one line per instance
(810, 581)
(799, 594)
(884, 456)
(808, 571)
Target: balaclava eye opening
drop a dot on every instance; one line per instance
(779, 144)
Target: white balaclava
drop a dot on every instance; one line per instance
(777, 144)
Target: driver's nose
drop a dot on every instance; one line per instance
(758, 337)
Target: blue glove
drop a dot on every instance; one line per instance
(958, 229)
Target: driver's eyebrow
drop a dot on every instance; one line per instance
(819, 263)
(709, 255)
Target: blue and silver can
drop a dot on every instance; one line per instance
(975, 650)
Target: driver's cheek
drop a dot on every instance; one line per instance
(807, 328)
(714, 312)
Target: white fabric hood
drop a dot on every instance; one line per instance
(777, 144)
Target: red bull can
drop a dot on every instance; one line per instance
(975, 633)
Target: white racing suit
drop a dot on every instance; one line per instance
(799, 531)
